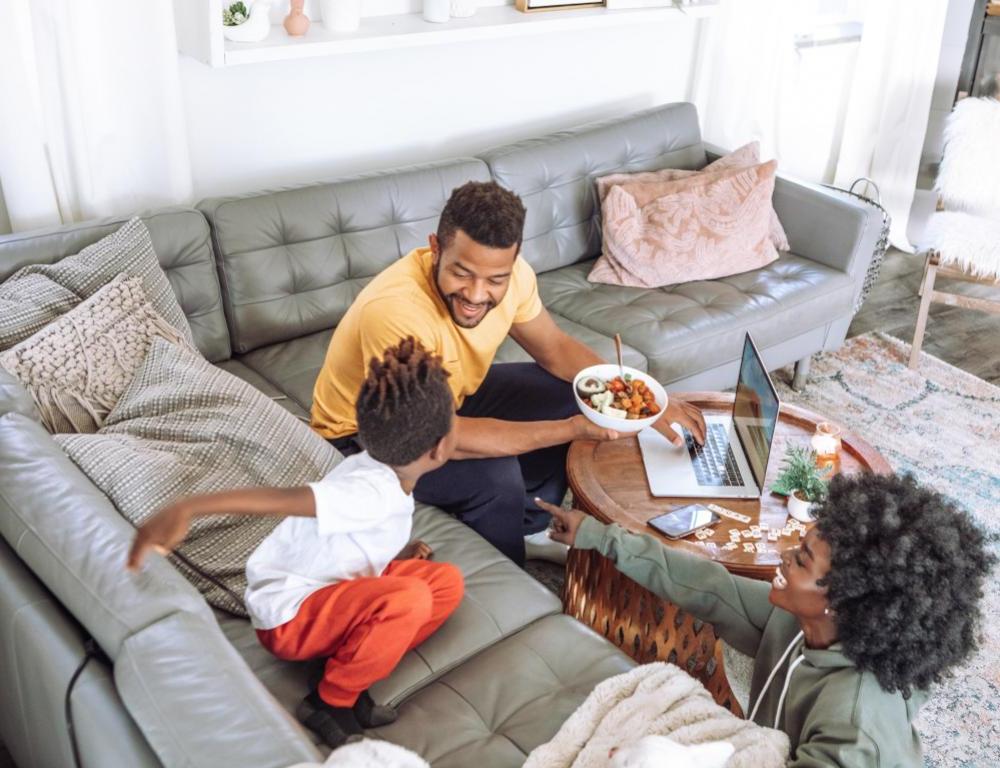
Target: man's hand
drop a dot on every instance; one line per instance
(683, 413)
(415, 550)
(565, 522)
(585, 429)
(162, 532)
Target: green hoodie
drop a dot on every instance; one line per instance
(833, 714)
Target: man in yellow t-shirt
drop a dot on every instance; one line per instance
(461, 297)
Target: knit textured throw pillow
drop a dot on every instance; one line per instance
(37, 294)
(185, 427)
(77, 367)
(703, 228)
(644, 184)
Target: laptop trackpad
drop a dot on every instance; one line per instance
(668, 466)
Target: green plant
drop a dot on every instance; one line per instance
(235, 14)
(800, 473)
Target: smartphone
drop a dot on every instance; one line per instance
(684, 521)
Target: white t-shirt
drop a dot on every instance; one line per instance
(363, 519)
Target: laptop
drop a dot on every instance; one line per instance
(733, 461)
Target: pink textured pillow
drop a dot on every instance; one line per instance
(744, 157)
(702, 228)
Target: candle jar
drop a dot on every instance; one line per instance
(826, 442)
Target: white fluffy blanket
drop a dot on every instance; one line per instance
(655, 699)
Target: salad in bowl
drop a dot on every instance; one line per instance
(623, 399)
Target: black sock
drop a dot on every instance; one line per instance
(372, 715)
(335, 725)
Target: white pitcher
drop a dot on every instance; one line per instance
(341, 15)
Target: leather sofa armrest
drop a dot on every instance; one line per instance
(73, 539)
(197, 702)
(178, 673)
(823, 225)
(14, 398)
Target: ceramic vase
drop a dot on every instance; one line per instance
(296, 22)
(800, 509)
(341, 15)
(437, 11)
(255, 28)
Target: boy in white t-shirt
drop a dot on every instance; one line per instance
(334, 580)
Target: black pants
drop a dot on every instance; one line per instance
(495, 497)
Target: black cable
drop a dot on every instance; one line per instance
(207, 576)
(91, 651)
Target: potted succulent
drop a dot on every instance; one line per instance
(802, 481)
(246, 22)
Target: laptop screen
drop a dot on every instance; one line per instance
(755, 412)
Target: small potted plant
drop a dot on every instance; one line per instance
(802, 481)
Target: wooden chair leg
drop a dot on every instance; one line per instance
(801, 373)
(926, 292)
(923, 277)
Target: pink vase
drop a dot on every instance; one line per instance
(296, 22)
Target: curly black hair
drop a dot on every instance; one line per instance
(405, 405)
(486, 212)
(906, 578)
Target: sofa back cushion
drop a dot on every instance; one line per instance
(182, 244)
(556, 175)
(184, 427)
(291, 262)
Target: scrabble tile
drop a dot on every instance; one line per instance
(748, 547)
(761, 546)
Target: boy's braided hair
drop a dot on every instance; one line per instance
(405, 406)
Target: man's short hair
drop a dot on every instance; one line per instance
(486, 212)
(405, 405)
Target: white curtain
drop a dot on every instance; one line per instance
(886, 119)
(91, 117)
(830, 114)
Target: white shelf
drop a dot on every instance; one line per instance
(410, 30)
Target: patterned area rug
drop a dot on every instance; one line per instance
(943, 425)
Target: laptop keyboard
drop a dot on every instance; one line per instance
(713, 462)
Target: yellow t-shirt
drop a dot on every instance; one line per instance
(403, 301)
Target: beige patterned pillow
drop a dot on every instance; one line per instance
(37, 294)
(77, 367)
(696, 229)
(744, 157)
(184, 427)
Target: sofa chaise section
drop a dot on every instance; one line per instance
(690, 334)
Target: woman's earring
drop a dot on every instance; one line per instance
(826, 611)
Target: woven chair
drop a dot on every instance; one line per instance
(962, 239)
(646, 628)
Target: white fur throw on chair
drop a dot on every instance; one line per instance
(969, 177)
(655, 699)
(967, 232)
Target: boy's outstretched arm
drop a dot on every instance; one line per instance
(168, 527)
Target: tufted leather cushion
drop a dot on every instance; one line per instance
(497, 707)
(181, 241)
(511, 352)
(292, 262)
(556, 175)
(486, 614)
(688, 328)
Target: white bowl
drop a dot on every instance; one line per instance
(606, 372)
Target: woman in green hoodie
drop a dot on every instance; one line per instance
(880, 601)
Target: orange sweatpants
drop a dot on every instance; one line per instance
(366, 625)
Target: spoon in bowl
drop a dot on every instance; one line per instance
(618, 350)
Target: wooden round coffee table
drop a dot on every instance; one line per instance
(609, 482)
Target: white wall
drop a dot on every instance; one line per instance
(264, 125)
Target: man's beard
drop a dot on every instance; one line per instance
(450, 299)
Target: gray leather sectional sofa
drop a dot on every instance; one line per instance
(263, 279)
